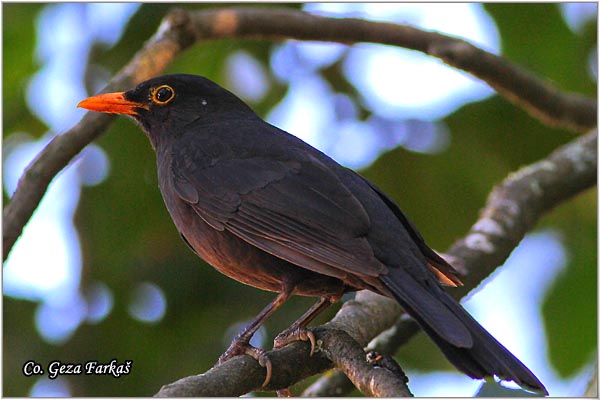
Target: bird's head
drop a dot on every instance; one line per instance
(166, 105)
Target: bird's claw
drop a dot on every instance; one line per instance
(265, 362)
(293, 335)
(238, 348)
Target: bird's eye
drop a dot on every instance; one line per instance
(163, 94)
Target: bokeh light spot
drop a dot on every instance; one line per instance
(56, 323)
(577, 15)
(99, 300)
(148, 303)
(93, 165)
(246, 76)
(45, 387)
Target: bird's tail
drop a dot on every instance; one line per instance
(465, 343)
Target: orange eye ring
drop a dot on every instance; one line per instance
(163, 94)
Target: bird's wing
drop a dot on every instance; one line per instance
(444, 272)
(295, 210)
(298, 209)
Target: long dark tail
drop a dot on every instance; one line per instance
(464, 342)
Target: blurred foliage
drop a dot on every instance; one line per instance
(127, 235)
(539, 39)
(18, 65)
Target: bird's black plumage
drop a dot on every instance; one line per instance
(270, 211)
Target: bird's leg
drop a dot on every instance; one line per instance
(298, 331)
(241, 344)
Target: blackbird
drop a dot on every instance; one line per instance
(268, 210)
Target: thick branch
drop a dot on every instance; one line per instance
(512, 209)
(180, 29)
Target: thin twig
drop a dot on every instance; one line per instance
(180, 29)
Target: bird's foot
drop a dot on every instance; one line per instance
(293, 334)
(240, 347)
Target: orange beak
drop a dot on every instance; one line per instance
(112, 103)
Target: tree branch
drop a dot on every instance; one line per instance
(537, 96)
(512, 209)
(180, 29)
(515, 205)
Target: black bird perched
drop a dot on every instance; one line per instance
(270, 211)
